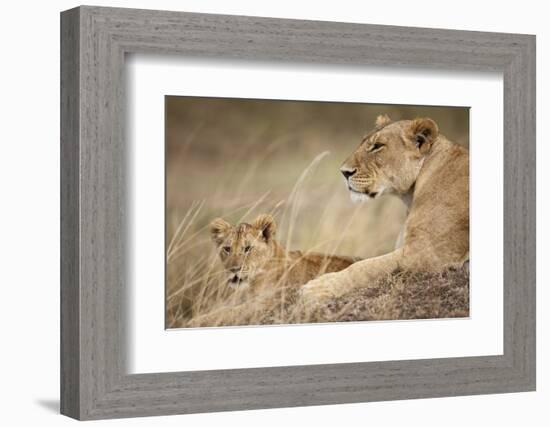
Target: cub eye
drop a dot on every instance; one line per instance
(247, 249)
(376, 146)
(226, 249)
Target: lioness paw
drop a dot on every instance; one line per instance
(318, 291)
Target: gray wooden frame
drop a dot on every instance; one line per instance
(94, 382)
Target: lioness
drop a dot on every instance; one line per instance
(252, 257)
(411, 159)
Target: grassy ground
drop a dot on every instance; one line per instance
(399, 296)
(236, 159)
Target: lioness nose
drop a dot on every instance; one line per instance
(347, 172)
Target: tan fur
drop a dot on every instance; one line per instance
(382, 121)
(412, 160)
(259, 268)
(253, 258)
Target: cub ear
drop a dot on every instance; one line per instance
(266, 224)
(381, 121)
(424, 132)
(218, 230)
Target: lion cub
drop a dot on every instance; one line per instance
(252, 257)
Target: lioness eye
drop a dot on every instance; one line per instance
(247, 249)
(376, 146)
(227, 249)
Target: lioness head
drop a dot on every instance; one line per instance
(389, 157)
(245, 248)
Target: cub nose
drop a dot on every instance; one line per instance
(235, 269)
(348, 172)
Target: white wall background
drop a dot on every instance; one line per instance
(29, 212)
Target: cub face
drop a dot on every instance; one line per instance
(244, 249)
(389, 157)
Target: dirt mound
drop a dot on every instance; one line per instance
(400, 296)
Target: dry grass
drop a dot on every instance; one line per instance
(400, 296)
(405, 296)
(236, 159)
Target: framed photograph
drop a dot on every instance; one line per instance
(268, 216)
(261, 213)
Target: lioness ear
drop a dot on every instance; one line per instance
(381, 121)
(266, 224)
(425, 132)
(218, 230)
